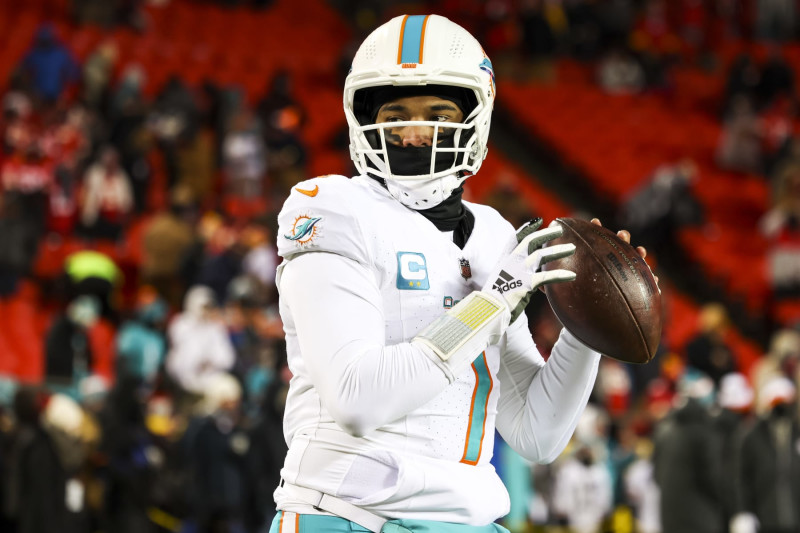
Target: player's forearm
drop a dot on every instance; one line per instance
(362, 383)
(379, 384)
(539, 421)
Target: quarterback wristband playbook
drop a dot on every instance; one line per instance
(458, 336)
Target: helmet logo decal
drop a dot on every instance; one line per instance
(412, 40)
(486, 66)
(304, 229)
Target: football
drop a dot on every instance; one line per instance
(614, 304)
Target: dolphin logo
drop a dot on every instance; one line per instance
(304, 229)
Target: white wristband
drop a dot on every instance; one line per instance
(458, 336)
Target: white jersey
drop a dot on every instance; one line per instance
(369, 417)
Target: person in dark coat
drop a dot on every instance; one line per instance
(222, 480)
(709, 352)
(19, 244)
(733, 420)
(687, 462)
(268, 443)
(39, 488)
(132, 459)
(68, 355)
(769, 472)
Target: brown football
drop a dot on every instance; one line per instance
(614, 305)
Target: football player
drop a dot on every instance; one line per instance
(401, 306)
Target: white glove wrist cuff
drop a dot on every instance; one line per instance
(463, 332)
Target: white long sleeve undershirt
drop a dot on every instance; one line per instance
(364, 384)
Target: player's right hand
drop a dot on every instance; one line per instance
(519, 274)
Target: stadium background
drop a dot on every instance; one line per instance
(202, 114)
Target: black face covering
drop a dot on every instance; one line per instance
(416, 160)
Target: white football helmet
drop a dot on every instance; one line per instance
(422, 54)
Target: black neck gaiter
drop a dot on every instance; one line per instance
(452, 215)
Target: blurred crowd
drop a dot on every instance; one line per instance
(183, 433)
(687, 443)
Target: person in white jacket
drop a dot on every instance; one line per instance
(200, 348)
(583, 492)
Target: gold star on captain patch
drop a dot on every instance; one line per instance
(418, 284)
(410, 283)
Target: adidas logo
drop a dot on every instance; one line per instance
(506, 282)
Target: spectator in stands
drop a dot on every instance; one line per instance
(641, 489)
(49, 66)
(708, 351)
(220, 259)
(587, 34)
(743, 79)
(583, 493)
(141, 342)
(30, 175)
(781, 226)
(244, 157)
(777, 124)
(219, 458)
(128, 93)
(776, 80)
(687, 461)
(279, 111)
(282, 118)
(16, 101)
(128, 131)
(776, 20)
(132, 459)
(73, 436)
(782, 360)
(664, 205)
(768, 483)
(67, 351)
(19, 246)
(173, 120)
(38, 490)
(107, 198)
(200, 346)
(165, 246)
(245, 296)
(740, 146)
(197, 163)
(92, 273)
(620, 73)
(266, 436)
(539, 39)
(654, 40)
(736, 401)
(63, 202)
(98, 70)
(261, 258)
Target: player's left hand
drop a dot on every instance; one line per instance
(625, 235)
(520, 273)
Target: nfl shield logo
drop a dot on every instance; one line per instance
(466, 270)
